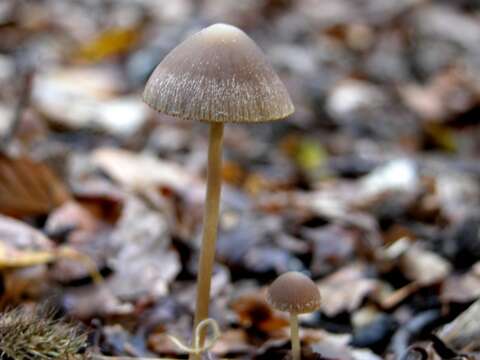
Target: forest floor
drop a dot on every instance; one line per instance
(372, 187)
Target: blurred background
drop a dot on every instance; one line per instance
(372, 185)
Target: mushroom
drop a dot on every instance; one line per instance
(217, 75)
(295, 293)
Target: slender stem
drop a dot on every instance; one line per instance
(294, 336)
(210, 224)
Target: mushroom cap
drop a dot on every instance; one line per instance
(220, 75)
(295, 293)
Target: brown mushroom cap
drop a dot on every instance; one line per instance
(295, 293)
(218, 74)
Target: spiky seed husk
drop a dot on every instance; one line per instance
(36, 335)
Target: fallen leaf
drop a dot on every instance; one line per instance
(457, 194)
(310, 155)
(24, 252)
(28, 188)
(397, 177)
(142, 171)
(71, 216)
(18, 236)
(14, 258)
(345, 290)
(462, 288)
(462, 334)
(101, 199)
(351, 96)
(143, 262)
(111, 42)
(333, 245)
(82, 231)
(94, 300)
(254, 312)
(232, 341)
(83, 98)
(423, 266)
(441, 136)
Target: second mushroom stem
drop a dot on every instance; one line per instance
(210, 225)
(295, 338)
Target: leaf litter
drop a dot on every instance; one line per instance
(371, 188)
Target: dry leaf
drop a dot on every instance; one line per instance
(142, 171)
(83, 98)
(109, 43)
(462, 334)
(71, 216)
(14, 258)
(144, 263)
(254, 312)
(423, 266)
(232, 341)
(18, 236)
(28, 187)
(462, 288)
(345, 289)
(333, 245)
(94, 300)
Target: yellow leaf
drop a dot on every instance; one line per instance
(109, 43)
(310, 154)
(441, 135)
(10, 258)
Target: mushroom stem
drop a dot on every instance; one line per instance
(210, 224)
(294, 336)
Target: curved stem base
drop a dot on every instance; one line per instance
(210, 225)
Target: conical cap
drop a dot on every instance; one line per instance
(218, 74)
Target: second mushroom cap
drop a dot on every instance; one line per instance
(295, 293)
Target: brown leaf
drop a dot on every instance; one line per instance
(141, 172)
(462, 288)
(86, 302)
(462, 334)
(423, 266)
(112, 42)
(231, 341)
(333, 245)
(143, 263)
(85, 232)
(345, 289)
(18, 236)
(22, 249)
(28, 187)
(71, 216)
(254, 312)
(104, 206)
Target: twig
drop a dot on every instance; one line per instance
(415, 353)
(402, 337)
(73, 254)
(24, 99)
(196, 349)
(104, 357)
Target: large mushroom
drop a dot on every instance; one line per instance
(218, 75)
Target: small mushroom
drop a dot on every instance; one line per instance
(217, 75)
(295, 293)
